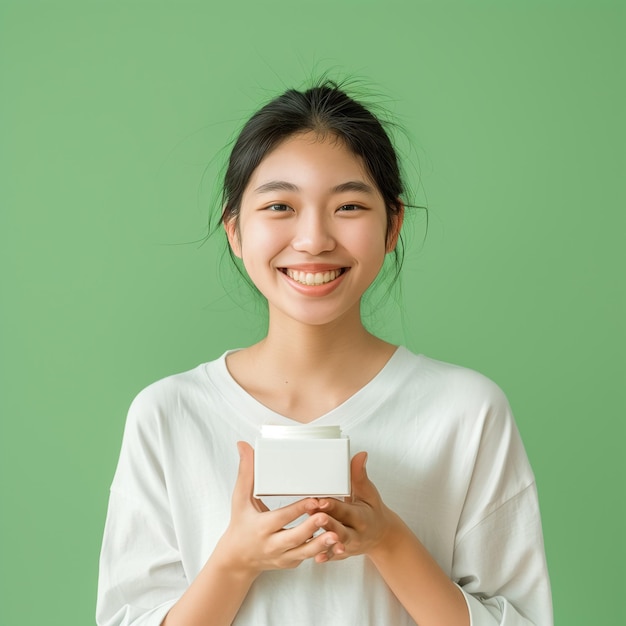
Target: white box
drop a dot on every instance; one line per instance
(302, 461)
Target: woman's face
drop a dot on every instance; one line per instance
(312, 230)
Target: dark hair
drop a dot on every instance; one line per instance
(327, 110)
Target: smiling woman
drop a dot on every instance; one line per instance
(310, 214)
(443, 528)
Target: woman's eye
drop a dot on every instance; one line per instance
(278, 208)
(349, 207)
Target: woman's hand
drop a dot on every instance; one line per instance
(256, 538)
(362, 524)
(366, 526)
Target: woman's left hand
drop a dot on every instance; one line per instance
(362, 522)
(365, 525)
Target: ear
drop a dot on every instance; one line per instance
(396, 225)
(232, 233)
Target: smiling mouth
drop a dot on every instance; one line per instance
(314, 278)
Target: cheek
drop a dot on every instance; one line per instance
(368, 243)
(260, 241)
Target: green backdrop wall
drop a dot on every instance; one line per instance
(113, 122)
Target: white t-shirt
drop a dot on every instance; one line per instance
(444, 452)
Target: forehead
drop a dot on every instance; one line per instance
(307, 159)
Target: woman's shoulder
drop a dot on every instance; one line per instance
(471, 408)
(175, 391)
(451, 397)
(442, 377)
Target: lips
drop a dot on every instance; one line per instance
(314, 278)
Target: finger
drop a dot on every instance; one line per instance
(319, 548)
(343, 512)
(305, 533)
(361, 484)
(242, 493)
(338, 529)
(335, 550)
(290, 513)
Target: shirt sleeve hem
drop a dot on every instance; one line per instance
(479, 615)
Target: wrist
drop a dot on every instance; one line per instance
(230, 563)
(393, 535)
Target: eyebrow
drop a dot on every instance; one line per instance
(283, 185)
(276, 185)
(354, 185)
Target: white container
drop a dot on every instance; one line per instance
(302, 460)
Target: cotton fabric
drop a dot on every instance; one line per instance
(444, 452)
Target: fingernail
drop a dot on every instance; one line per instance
(329, 541)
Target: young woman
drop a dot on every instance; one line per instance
(441, 529)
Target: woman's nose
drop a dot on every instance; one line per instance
(313, 234)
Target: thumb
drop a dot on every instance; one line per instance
(242, 492)
(361, 484)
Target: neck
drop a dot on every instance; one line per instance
(305, 370)
(304, 347)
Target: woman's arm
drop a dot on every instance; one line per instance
(367, 526)
(142, 580)
(254, 541)
(505, 552)
(416, 579)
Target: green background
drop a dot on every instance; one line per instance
(113, 124)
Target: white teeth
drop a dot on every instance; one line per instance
(312, 278)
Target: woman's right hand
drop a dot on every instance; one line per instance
(256, 538)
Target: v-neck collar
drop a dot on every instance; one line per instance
(359, 405)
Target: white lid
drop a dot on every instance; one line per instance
(300, 431)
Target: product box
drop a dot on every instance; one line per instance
(302, 460)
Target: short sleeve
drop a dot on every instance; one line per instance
(141, 574)
(499, 558)
(500, 566)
